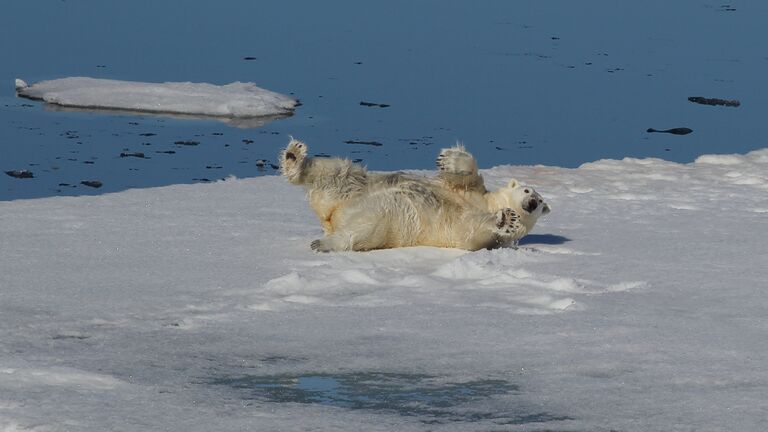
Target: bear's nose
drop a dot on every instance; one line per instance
(532, 204)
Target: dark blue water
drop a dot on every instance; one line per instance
(409, 395)
(519, 82)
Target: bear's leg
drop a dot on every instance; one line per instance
(493, 230)
(343, 241)
(355, 230)
(292, 161)
(347, 241)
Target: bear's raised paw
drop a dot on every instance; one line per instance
(294, 152)
(292, 158)
(457, 161)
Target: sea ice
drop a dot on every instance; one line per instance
(233, 101)
(201, 307)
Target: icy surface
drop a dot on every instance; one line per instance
(236, 100)
(638, 304)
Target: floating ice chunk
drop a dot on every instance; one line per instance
(235, 100)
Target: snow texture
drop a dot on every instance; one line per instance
(235, 100)
(638, 304)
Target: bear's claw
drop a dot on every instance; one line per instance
(455, 160)
(291, 160)
(295, 151)
(319, 246)
(508, 224)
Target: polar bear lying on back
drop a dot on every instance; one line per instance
(363, 211)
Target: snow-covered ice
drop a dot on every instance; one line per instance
(638, 304)
(237, 100)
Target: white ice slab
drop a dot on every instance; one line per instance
(638, 304)
(236, 100)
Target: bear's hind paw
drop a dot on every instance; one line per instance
(292, 159)
(456, 160)
(294, 153)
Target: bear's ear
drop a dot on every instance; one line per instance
(513, 184)
(545, 209)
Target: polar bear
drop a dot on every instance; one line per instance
(362, 210)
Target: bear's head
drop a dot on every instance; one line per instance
(528, 203)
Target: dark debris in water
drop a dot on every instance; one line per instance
(427, 397)
(139, 155)
(92, 183)
(714, 101)
(369, 143)
(425, 140)
(373, 104)
(673, 131)
(20, 174)
(187, 142)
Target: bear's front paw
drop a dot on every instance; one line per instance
(319, 246)
(508, 224)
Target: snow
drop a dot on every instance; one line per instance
(637, 304)
(236, 100)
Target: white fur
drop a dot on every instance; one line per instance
(362, 211)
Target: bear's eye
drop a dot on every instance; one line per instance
(526, 191)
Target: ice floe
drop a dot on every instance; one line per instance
(237, 101)
(201, 307)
